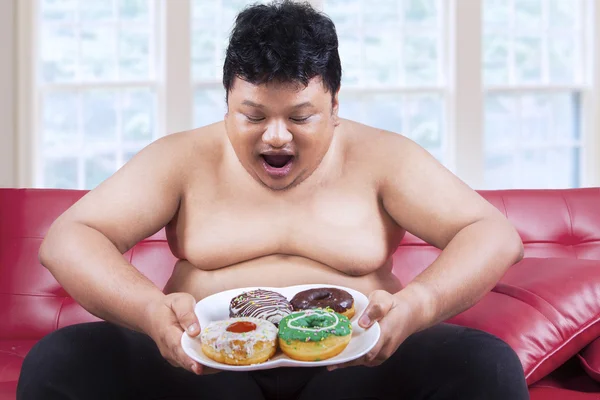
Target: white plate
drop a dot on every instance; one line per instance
(216, 307)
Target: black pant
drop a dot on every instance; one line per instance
(103, 361)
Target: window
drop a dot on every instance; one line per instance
(534, 76)
(95, 86)
(110, 76)
(393, 66)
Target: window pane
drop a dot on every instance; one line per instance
(532, 140)
(58, 45)
(496, 14)
(421, 13)
(563, 13)
(209, 106)
(98, 58)
(562, 59)
(419, 117)
(532, 42)
(58, 10)
(138, 107)
(100, 116)
(204, 55)
(425, 119)
(420, 60)
(98, 168)
(528, 14)
(528, 60)
(96, 10)
(381, 61)
(388, 43)
(495, 58)
(133, 10)
(60, 173)
(59, 123)
(134, 48)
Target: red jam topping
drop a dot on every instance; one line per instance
(241, 327)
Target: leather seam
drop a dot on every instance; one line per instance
(562, 345)
(555, 323)
(570, 215)
(504, 205)
(529, 305)
(62, 303)
(53, 296)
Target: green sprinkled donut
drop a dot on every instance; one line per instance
(313, 326)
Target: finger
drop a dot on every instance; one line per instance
(183, 306)
(380, 303)
(182, 358)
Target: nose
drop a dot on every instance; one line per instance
(277, 135)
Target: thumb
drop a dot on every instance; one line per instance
(380, 303)
(183, 305)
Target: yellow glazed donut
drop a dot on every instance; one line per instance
(239, 341)
(314, 335)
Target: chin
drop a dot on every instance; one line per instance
(278, 185)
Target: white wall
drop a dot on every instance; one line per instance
(7, 94)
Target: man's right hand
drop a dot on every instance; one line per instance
(168, 317)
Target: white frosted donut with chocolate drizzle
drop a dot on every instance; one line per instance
(259, 303)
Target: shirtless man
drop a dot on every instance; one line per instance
(281, 192)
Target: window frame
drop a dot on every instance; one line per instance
(7, 95)
(464, 89)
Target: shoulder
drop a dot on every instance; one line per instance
(387, 155)
(183, 151)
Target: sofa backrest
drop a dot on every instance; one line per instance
(552, 223)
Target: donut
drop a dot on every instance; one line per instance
(314, 335)
(259, 303)
(239, 341)
(337, 300)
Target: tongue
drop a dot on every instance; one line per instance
(277, 161)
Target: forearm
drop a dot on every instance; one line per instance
(469, 267)
(97, 276)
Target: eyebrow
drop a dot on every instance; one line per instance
(252, 104)
(256, 105)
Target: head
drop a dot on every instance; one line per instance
(282, 75)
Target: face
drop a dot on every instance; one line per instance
(280, 132)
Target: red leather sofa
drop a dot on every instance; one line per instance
(547, 307)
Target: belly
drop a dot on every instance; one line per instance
(274, 271)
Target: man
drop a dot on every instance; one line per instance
(281, 192)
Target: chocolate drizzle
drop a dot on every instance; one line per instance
(336, 299)
(260, 303)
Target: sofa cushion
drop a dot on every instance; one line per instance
(12, 354)
(546, 309)
(590, 359)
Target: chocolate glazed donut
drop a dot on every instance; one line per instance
(338, 300)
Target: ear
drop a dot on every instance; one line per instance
(335, 105)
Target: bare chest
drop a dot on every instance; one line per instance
(344, 229)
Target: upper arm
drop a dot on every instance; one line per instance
(423, 197)
(136, 201)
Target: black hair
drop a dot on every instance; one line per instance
(284, 41)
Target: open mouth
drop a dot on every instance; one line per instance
(277, 160)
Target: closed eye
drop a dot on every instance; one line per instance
(254, 119)
(300, 119)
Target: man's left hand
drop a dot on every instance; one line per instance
(394, 319)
